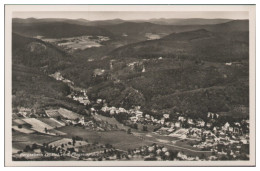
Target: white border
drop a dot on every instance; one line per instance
(251, 10)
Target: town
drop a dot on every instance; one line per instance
(168, 136)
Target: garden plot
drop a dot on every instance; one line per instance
(53, 113)
(52, 122)
(111, 121)
(69, 114)
(56, 132)
(37, 125)
(18, 122)
(179, 133)
(23, 129)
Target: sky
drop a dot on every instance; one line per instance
(130, 15)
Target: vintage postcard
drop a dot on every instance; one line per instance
(130, 85)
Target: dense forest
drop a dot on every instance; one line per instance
(192, 69)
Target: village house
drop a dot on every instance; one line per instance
(98, 72)
(147, 116)
(228, 63)
(162, 121)
(226, 126)
(209, 124)
(99, 101)
(200, 123)
(177, 124)
(82, 121)
(182, 156)
(166, 116)
(190, 121)
(122, 110)
(134, 119)
(181, 118)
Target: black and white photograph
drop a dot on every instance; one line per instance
(130, 85)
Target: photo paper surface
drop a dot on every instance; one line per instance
(130, 85)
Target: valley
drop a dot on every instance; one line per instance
(130, 90)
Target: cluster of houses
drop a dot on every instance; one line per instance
(136, 66)
(22, 112)
(57, 75)
(158, 152)
(207, 131)
(169, 125)
(220, 138)
(75, 148)
(81, 97)
(114, 110)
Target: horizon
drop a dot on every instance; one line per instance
(130, 15)
(128, 20)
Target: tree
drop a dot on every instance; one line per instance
(73, 141)
(144, 128)
(27, 148)
(59, 118)
(46, 130)
(34, 146)
(129, 131)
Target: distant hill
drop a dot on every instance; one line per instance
(69, 21)
(183, 71)
(217, 43)
(232, 26)
(57, 30)
(32, 61)
(187, 36)
(131, 28)
(190, 21)
(159, 21)
(36, 53)
(138, 30)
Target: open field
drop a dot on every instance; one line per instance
(52, 122)
(111, 121)
(20, 140)
(124, 141)
(37, 125)
(69, 114)
(118, 139)
(23, 129)
(53, 113)
(18, 122)
(148, 138)
(82, 42)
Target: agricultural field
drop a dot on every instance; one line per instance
(150, 128)
(37, 125)
(111, 121)
(52, 122)
(75, 43)
(18, 122)
(53, 113)
(69, 114)
(20, 140)
(22, 129)
(148, 138)
(179, 133)
(21, 126)
(119, 139)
